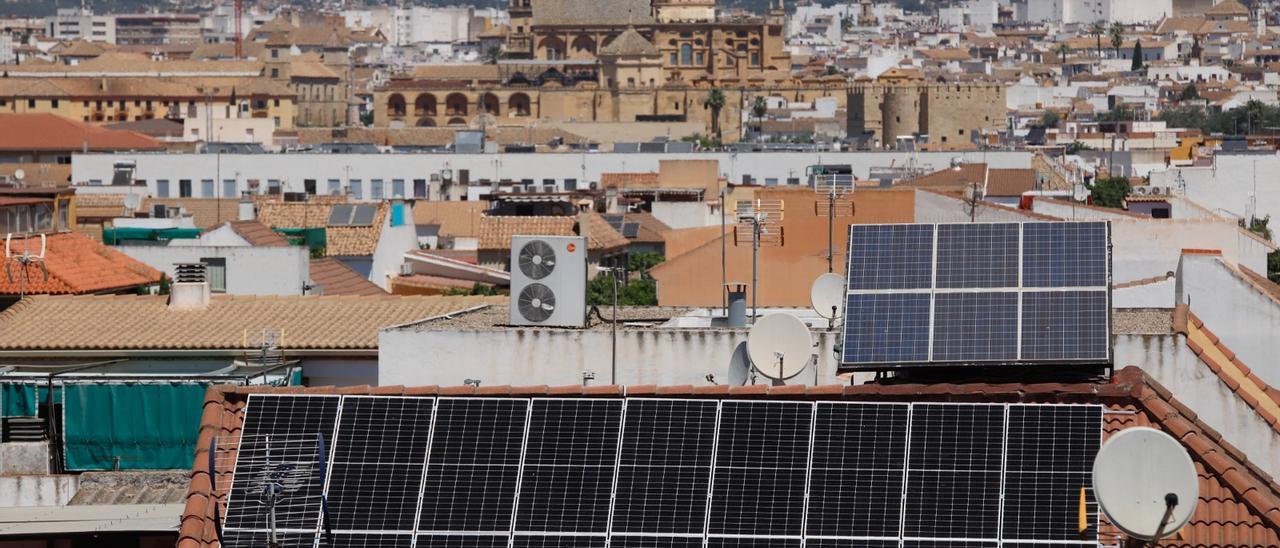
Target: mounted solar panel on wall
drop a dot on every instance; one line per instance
(978, 294)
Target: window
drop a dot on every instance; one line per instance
(162, 188)
(275, 54)
(229, 188)
(755, 58)
(397, 188)
(335, 187)
(273, 186)
(698, 58)
(215, 271)
(375, 189)
(206, 188)
(674, 59)
(357, 192)
(309, 186)
(420, 188)
(686, 54)
(275, 102)
(54, 103)
(570, 184)
(31, 103)
(184, 188)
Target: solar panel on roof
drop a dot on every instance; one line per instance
(631, 230)
(340, 215)
(364, 214)
(775, 473)
(614, 221)
(978, 293)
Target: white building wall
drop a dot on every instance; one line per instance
(1244, 319)
(1236, 185)
(250, 270)
(667, 357)
(684, 214)
(293, 169)
(394, 242)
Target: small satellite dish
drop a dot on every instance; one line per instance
(1145, 483)
(826, 295)
(19, 174)
(779, 346)
(132, 202)
(739, 366)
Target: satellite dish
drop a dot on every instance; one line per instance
(779, 346)
(19, 174)
(826, 295)
(1145, 483)
(739, 366)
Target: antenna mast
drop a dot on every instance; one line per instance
(761, 221)
(24, 260)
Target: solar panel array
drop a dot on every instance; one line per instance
(352, 214)
(978, 293)
(470, 472)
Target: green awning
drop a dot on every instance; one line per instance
(113, 236)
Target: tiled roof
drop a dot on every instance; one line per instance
(1256, 393)
(1010, 182)
(950, 177)
(1228, 7)
(101, 205)
(602, 236)
(294, 214)
(78, 265)
(206, 213)
(310, 69)
(1238, 506)
(496, 232)
(455, 218)
(651, 230)
(1262, 283)
(133, 322)
(446, 71)
(630, 42)
(26, 132)
(336, 278)
(258, 234)
(340, 241)
(590, 12)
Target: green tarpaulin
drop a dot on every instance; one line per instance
(19, 399)
(132, 425)
(113, 236)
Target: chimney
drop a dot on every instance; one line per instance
(247, 212)
(190, 288)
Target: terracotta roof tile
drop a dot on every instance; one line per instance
(205, 212)
(629, 180)
(1237, 507)
(456, 219)
(340, 241)
(50, 132)
(145, 322)
(1010, 182)
(496, 231)
(337, 279)
(78, 265)
(258, 234)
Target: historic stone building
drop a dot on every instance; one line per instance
(899, 105)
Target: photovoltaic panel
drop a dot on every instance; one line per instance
(377, 462)
(1048, 465)
(1065, 255)
(855, 487)
(761, 469)
(474, 465)
(954, 472)
(886, 328)
(752, 542)
(463, 541)
(849, 543)
(975, 327)
(558, 541)
(1066, 325)
(665, 467)
(340, 214)
(628, 541)
(978, 294)
(370, 540)
(890, 256)
(364, 214)
(978, 255)
(946, 543)
(258, 539)
(568, 466)
(278, 443)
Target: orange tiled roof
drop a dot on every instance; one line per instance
(27, 132)
(257, 234)
(950, 177)
(601, 235)
(340, 241)
(1239, 504)
(79, 265)
(1252, 390)
(206, 213)
(455, 218)
(338, 279)
(629, 180)
(496, 231)
(1010, 182)
(144, 322)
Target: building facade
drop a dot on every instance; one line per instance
(947, 114)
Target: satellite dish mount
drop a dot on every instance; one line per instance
(23, 260)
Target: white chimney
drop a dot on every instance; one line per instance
(247, 212)
(190, 288)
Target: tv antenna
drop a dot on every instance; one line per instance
(826, 295)
(834, 186)
(1145, 483)
(276, 482)
(780, 346)
(16, 264)
(760, 222)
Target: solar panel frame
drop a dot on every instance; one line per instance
(374, 480)
(340, 215)
(959, 337)
(363, 215)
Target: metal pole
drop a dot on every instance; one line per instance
(613, 375)
(724, 259)
(755, 265)
(831, 221)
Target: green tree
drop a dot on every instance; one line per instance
(1119, 114)
(1097, 30)
(493, 55)
(1117, 37)
(366, 118)
(1049, 119)
(1062, 50)
(1259, 226)
(1273, 266)
(759, 107)
(1137, 56)
(642, 262)
(1189, 93)
(715, 101)
(1110, 191)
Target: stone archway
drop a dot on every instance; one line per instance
(396, 105)
(425, 105)
(489, 104)
(456, 104)
(518, 105)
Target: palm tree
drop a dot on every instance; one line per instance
(1117, 37)
(493, 55)
(1062, 50)
(1097, 30)
(759, 107)
(715, 102)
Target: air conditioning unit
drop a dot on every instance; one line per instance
(159, 211)
(549, 281)
(406, 269)
(1157, 190)
(1141, 190)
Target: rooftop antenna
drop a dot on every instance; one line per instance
(1145, 483)
(780, 346)
(274, 481)
(16, 263)
(836, 190)
(826, 295)
(760, 222)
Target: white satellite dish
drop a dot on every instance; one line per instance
(19, 174)
(739, 366)
(779, 346)
(1145, 483)
(827, 294)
